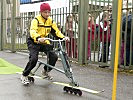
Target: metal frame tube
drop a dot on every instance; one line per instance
(57, 69)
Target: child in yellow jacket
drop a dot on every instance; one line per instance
(40, 28)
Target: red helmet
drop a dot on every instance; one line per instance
(45, 6)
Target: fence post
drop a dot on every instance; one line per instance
(83, 38)
(1, 26)
(113, 31)
(13, 24)
(86, 31)
(118, 5)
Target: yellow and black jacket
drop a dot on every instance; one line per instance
(41, 27)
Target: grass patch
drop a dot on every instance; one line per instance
(8, 68)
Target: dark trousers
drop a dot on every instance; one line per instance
(34, 50)
(128, 55)
(104, 55)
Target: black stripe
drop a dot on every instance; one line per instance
(44, 26)
(53, 33)
(37, 20)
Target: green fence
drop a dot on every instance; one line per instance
(90, 24)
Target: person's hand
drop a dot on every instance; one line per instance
(66, 38)
(109, 22)
(70, 29)
(89, 28)
(41, 40)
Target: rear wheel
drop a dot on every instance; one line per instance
(31, 79)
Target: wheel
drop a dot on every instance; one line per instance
(71, 91)
(79, 92)
(66, 89)
(31, 79)
(75, 91)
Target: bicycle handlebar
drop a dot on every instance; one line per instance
(54, 40)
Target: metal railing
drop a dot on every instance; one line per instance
(87, 42)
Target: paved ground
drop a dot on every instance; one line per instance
(88, 76)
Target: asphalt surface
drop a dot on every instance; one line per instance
(89, 76)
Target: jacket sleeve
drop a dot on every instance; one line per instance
(34, 30)
(56, 32)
